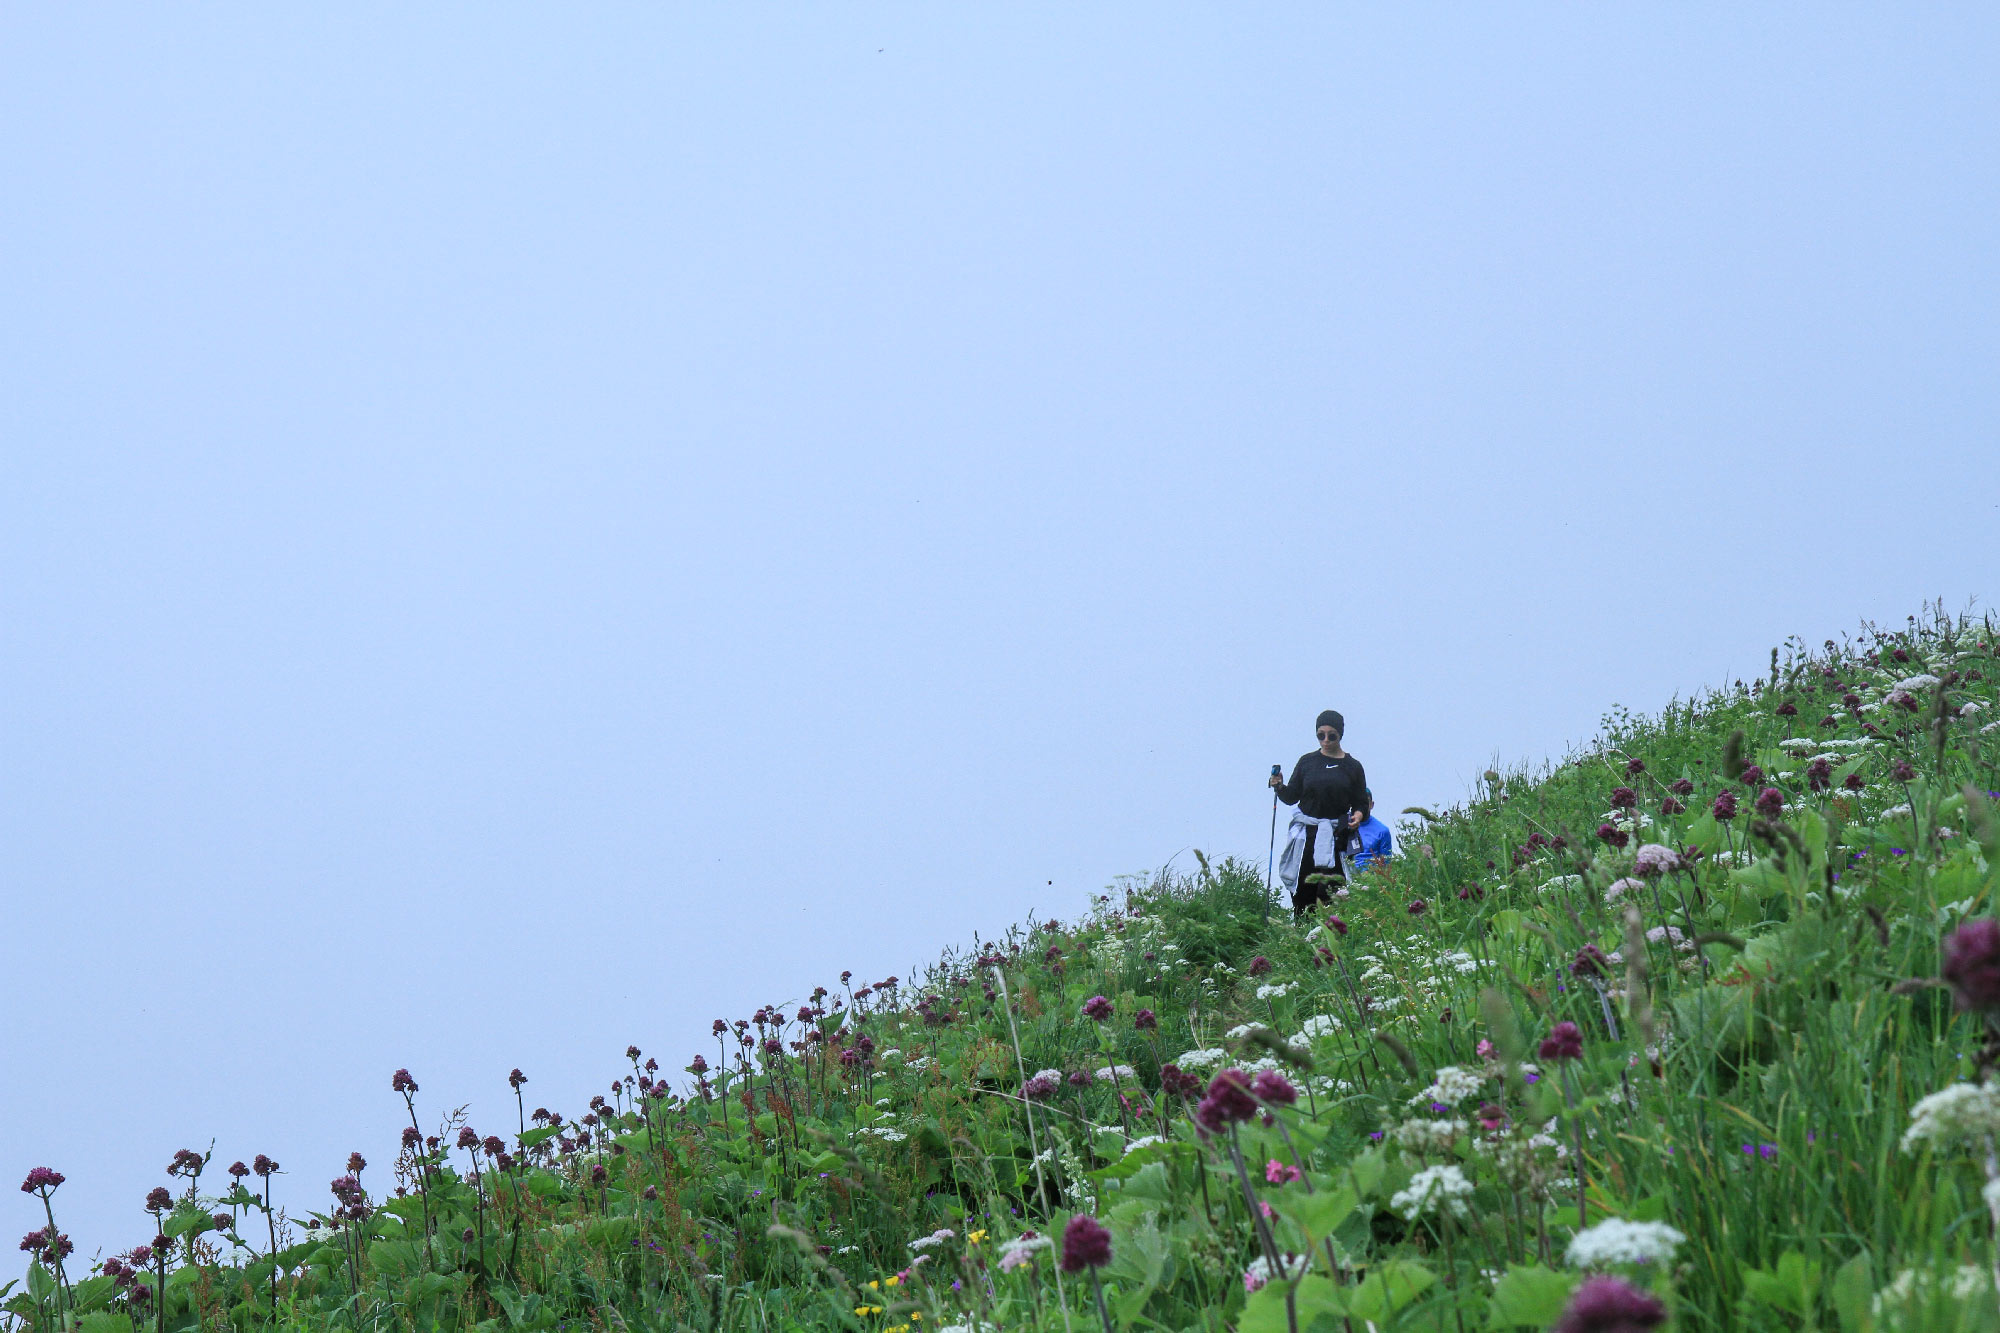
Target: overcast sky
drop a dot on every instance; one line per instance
(526, 529)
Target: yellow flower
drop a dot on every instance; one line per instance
(888, 1281)
(873, 1285)
(868, 1309)
(976, 1237)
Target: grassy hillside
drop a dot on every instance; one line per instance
(1659, 1014)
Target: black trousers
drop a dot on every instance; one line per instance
(1309, 896)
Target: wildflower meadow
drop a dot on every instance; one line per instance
(1694, 1029)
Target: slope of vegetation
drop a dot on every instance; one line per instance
(1690, 1031)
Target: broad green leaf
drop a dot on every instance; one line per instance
(1853, 1290)
(41, 1283)
(1319, 1213)
(1530, 1295)
(92, 1293)
(1388, 1287)
(103, 1321)
(1367, 1169)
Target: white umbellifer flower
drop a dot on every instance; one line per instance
(937, 1237)
(1973, 707)
(921, 1062)
(885, 1101)
(1202, 1059)
(1798, 745)
(1920, 681)
(891, 1054)
(1418, 1135)
(1144, 1141)
(1616, 1241)
(1989, 728)
(1452, 1084)
(1277, 992)
(1433, 1189)
(1959, 1111)
(1460, 962)
(885, 1133)
(1258, 1274)
(1020, 1251)
(1562, 882)
(1620, 887)
(1910, 1285)
(1119, 1071)
(1319, 1025)
(1896, 812)
(1673, 936)
(1240, 1031)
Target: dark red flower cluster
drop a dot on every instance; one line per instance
(1229, 1101)
(1097, 1009)
(401, 1082)
(1972, 964)
(1610, 1305)
(1085, 1244)
(40, 1180)
(1564, 1042)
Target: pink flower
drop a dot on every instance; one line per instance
(1279, 1173)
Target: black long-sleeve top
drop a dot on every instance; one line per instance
(1325, 788)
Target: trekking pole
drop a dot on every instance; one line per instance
(1270, 853)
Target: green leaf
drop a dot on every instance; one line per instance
(1316, 1296)
(1853, 1290)
(103, 1321)
(185, 1219)
(41, 1283)
(1530, 1295)
(92, 1292)
(1367, 1169)
(1792, 1286)
(1388, 1288)
(1320, 1213)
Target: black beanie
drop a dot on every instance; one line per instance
(1329, 718)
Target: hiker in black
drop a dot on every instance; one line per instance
(1327, 788)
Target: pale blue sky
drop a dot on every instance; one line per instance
(527, 529)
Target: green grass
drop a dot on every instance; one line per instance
(1754, 1098)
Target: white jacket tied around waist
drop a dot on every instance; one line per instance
(1324, 843)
